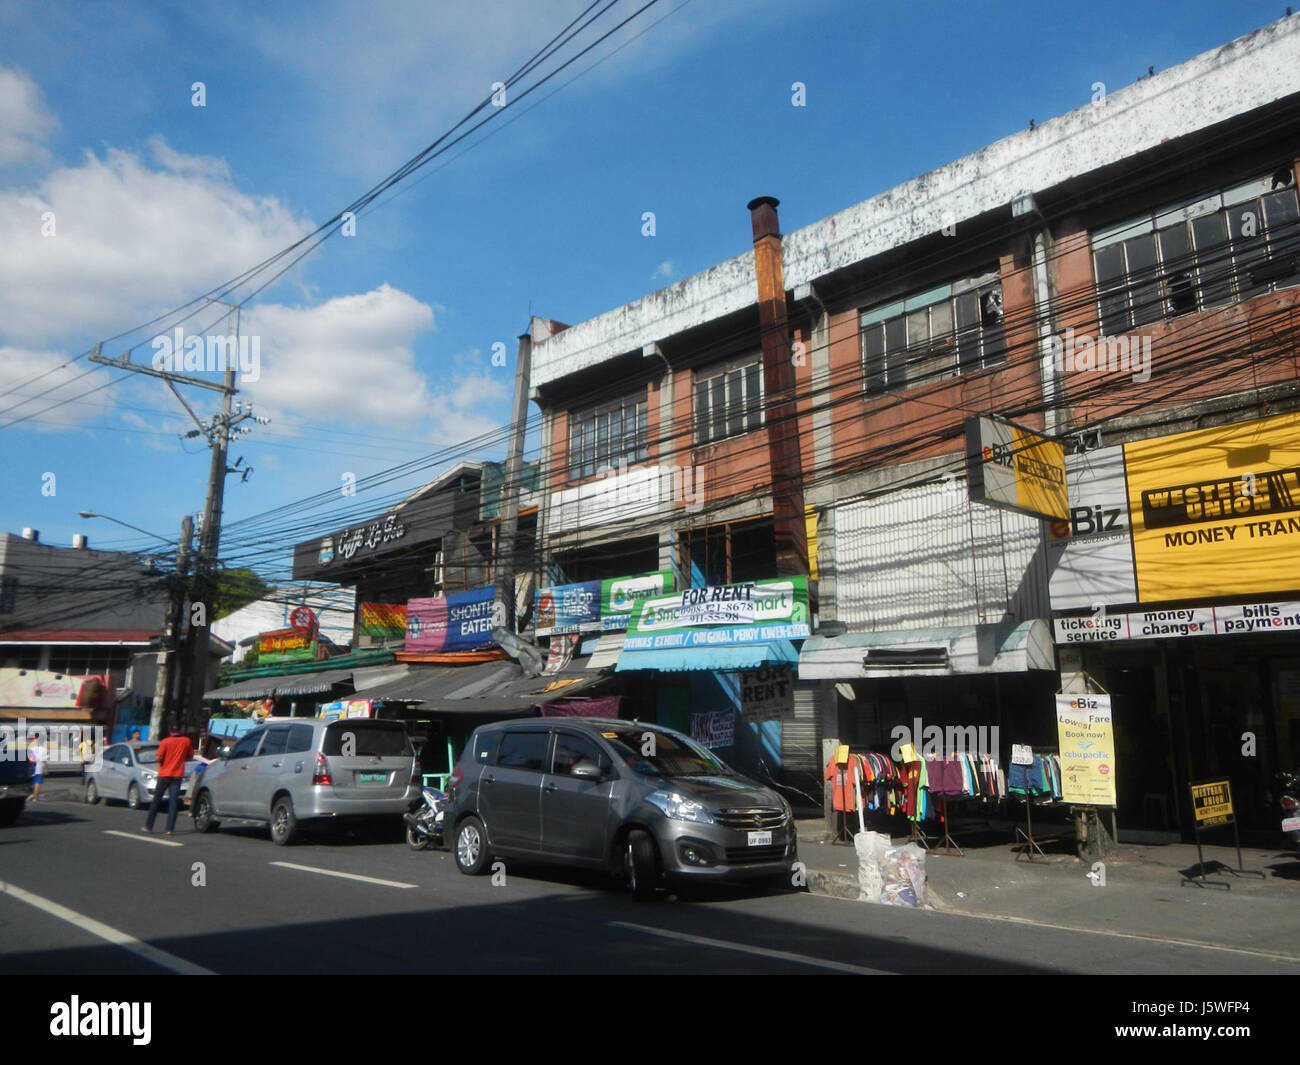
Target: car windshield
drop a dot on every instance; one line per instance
(146, 755)
(663, 754)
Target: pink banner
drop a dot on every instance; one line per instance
(607, 707)
(426, 625)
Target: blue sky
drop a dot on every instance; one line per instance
(376, 350)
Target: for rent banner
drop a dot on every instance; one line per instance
(779, 612)
(597, 606)
(460, 622)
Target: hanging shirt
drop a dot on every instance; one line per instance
(841, 785)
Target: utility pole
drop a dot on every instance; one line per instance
(175, 604)
(217, 432)
(511, 487)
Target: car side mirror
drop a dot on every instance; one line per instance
(586, 770)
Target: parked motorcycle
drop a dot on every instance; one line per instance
(1290, 803)
(424, 821)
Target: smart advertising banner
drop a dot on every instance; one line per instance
(1087, 749)
(383, 619)
(596, 606)
(780, 612)
(459, 622)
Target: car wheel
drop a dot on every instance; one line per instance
(133, 797)
(642, 865)
(283, 823)
(472, 855)
(92, 793)
(417, 841)
(9, 811)
(204, 821)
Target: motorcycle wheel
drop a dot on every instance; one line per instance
(416, 840)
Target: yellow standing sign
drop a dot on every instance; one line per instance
(1087, 742)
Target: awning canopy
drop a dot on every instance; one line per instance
(485, 688)
(941, 652)
(286, 685)
(714, 659)
(608, 648)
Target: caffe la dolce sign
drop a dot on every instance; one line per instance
(368, 536)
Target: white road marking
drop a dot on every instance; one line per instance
(143, 837)
(345, 876)
(1081, 930)
(105, 932)
(780, 955)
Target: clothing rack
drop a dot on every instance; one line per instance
(1024, 837)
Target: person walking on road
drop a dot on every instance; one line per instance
(86, 751)
(38, 754)
(173, 753)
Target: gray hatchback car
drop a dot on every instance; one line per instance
(637, 800)
(292, 770)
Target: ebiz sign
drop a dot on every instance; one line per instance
(1216, 512)
(780, 613)
(1087, 745)
(596, 606)
(1015, 468)
(460, 622)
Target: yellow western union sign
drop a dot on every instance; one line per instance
(1217, 511)
(1212, 803)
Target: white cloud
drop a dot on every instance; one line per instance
(664, 269)
(126, 241)
(350, 359)
(25, 122)
(470, 407)
(43, 390)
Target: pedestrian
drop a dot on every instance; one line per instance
(38, 754)
(86, 751)
(172, 755)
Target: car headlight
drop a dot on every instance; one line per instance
(149, 779)
(680, 808)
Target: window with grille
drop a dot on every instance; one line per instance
(943, 332)
(605, 436)
(1210, 252)
(728, 399)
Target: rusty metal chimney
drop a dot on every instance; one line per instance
(779, 388)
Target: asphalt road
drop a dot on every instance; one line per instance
(84, 891)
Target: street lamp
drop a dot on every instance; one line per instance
(125, 525)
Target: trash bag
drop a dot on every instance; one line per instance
(891, 875)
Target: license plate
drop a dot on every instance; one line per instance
(760, 839)
(374, 778)
(1291, 824)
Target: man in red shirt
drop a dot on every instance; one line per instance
(173, 753)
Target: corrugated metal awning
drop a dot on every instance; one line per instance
(942, 652)
(727, 658)
(483, 688)
(291, 684)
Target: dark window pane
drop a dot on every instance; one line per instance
(571, 749)
(735, 389)
(1280, 214)
(702, 422)
(968, 336)
(300, 737)
(754, 395)
(366, 739)
(1108, 268)
(873, 353)
(523, 750)
(1246, 221)
(1145, 288)
(1213, 260)
(643, 432)
(1178, 270)
(895, 353)
(717, 407)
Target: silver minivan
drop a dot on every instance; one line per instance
(639, 801)
(295, 770)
